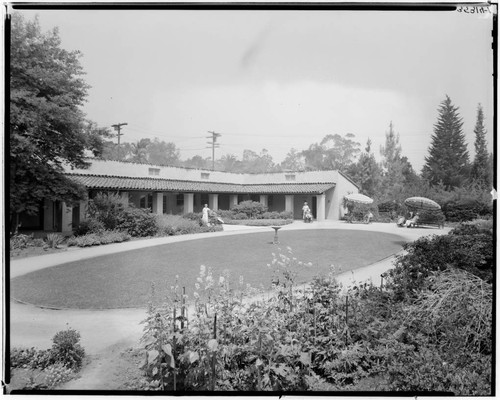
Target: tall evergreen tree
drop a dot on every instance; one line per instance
(448, 159)
(481, 172)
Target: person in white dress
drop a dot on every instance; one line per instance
(204, 216)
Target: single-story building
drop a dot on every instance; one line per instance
(174, 190)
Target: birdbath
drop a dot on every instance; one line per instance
(276, 229)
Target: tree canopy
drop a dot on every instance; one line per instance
(47, 127)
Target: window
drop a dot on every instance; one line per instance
(204, 198)
(205, 175)
(146, 201)
(270, 200)
(180, 199)
(290, 177)
(154, 171)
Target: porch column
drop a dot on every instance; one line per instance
(263, 199)
(320, 207)
(188, 202)
(158, 203)
(289, 203)
(66, 218)
(233, 200)
(125, 198)
(213, 201)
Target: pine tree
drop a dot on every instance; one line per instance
(481, 172)
(448, 159)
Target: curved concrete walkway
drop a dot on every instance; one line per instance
(100, 329)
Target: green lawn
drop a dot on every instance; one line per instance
(124, 279)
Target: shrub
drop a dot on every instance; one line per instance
(57, 374)
(54, 240)
(90, 225)
(357, 211)
(20, 241)
(225, 214)
(466, 209)
(66, 348)
(240, 216)
(96, 239)
(138, 222)
(388, 206)
(106, 208)
(479, 226)
(252, 209)
(194, 217)
(30, 358)
(472, 253)
(169, 225)
(431, 217)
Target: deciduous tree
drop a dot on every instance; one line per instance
(47, 127)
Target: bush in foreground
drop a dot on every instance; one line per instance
(55, 365)
(322, 337)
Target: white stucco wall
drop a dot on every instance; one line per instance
(343, 187)
(137, 170)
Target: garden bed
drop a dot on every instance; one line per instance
(258, 222)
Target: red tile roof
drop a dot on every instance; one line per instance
(170, 185)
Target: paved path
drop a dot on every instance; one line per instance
(100, 329)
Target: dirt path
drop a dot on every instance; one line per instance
(115, 368)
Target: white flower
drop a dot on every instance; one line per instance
(197, 286)
(202, 270)
(221, 280)
(196, 295)
(310, 264)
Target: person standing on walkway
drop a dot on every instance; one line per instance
(305, 211)
(204, 216)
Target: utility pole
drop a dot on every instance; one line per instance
(118, 128)
(214, 145)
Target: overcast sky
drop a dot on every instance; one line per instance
(280, 79)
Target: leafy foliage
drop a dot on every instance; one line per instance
(57, 364)
(469, 252)
(106, 209)
(47, 127)
(21, 241)
(252, 209)
(66, 348)
(137, 222)
(321, 337)
(98, 238)
(54, 240)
